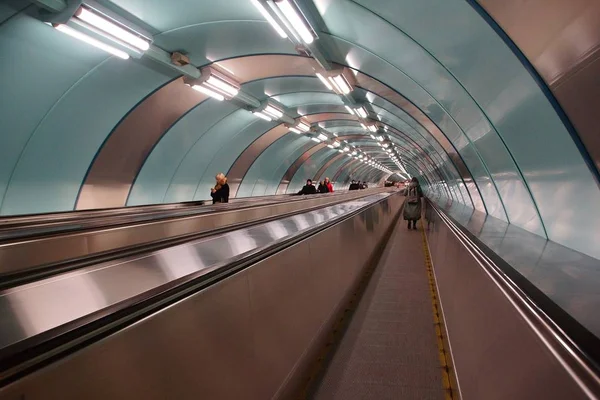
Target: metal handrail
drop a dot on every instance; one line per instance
(581, 367)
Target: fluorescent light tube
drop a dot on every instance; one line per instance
(336, 144)
(341, 151)
(351, 111)
(363, 126)
(322, 137)
(373, 137)
(90, 40)
(346, 148)
(220, 84)
(353, 153)
(342, 83)
(297, 23)
(314, 139)
(330, 146)
(112, 28)
(325, 82)
(372, 128)
(269, 19)
(295, 130)
(270, 110)
(303, 127)
(208, 92)
(261, 115)
(361, 112)
(335, 85)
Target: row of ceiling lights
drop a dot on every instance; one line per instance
(94, 26)
(334, 80)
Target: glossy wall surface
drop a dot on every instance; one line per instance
(462, 106)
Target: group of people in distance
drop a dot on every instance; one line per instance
(325, 186)
(412, 206)
(356, 185)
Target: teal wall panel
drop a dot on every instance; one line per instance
(61, 102)
(308, 169)
(163, 162)
(260, 175)
(230, 144)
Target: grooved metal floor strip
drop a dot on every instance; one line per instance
(389, 350)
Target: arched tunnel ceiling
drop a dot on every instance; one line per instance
(464, 113)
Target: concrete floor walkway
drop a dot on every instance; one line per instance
(389, 350)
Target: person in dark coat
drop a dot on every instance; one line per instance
(309, 188)
(322, 187)
(412, 204)
(220, 193)
(364, 185)
(353, 186)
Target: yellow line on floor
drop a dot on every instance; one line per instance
(440, 330)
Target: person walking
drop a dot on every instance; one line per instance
(412, 205)
(220, 193)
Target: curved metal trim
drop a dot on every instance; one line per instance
(118, 161)
(587, 158)
(327, 165)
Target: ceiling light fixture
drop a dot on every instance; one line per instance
(350, 110)
(314, 139)
(208, 92)
(322, 136)
(221, 85)
(325, 81)
(330, 146)
(215, 84)
(361, 112)
(295, 130)
(273, 112)
(363, 126)
(261, 115)
(111, 29)
(303, 126)
(336, 144)
(90, 40)
(372, 128)
(269, 18)
(346, 148)
(296, 22)
(340, 84)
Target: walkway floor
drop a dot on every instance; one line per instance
(389, 350)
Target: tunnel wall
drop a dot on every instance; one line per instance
(467, 112)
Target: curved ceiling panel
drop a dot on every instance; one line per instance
(308, 168)
(225, 39)
(475, 98)
(53, 139)
(158, 170)
(394, 77)
(169, 15)
(277, 86)
(261, 178)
